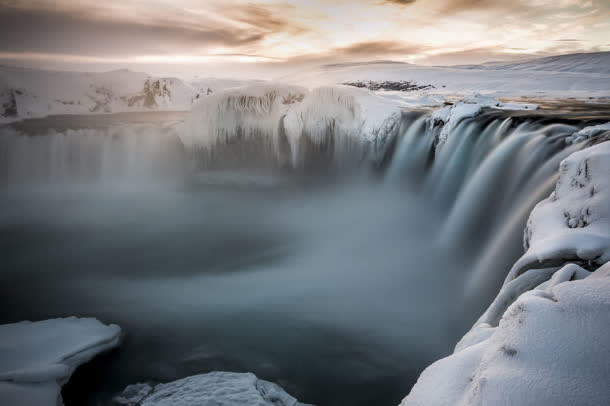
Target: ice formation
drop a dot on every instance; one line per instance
(544, 338)
(279, 113)
(588, 133)
(37, 358)
(214, 388)
(471, 106)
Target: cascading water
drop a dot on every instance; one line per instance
(341, 288)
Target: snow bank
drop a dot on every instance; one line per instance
(550, 348)
(36, 358)
(471, 106)
(215, 388)
(573, 224)
(544, 338)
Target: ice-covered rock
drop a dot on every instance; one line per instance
(544, 339)
(37, 358)
(588, 133)
(212, 389)
(449, 117)
(349, 115)
(333, 115)
(240, 113)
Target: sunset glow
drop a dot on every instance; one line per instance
(136, 32)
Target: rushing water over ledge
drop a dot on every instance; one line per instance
(340, 277)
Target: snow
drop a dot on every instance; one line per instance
(350, 114)
(588, 132)
(244, 111)
(213, 389)
(470, 106)
(550, 348)
(31, 93)
(580, 76)
(272, 110)
(36, 358)
(594, 62)
(544, 338)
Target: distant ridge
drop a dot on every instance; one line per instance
(596, 62)
(381, 62)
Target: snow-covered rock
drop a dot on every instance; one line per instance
(550, 348)
(276, 110)
(470, 106)
(37, 358)
(351, 115)
(241, 112)
(588, 133)
(544, 339)
(213, 389)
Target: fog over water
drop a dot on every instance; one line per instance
(340, 286)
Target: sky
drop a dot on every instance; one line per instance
(251, 36)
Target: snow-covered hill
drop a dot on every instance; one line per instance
(578, 75)
(596, 62)
(30, 93)
(27, 93)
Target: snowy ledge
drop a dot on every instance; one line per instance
(37, 358)
(215, 388)
(544, 339)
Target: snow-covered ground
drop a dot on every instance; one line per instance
(544, 339)
(214, 388)
(580, 76)
(37, 358)
(30, 93)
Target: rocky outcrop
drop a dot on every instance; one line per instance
(399, 86)
(153, 89)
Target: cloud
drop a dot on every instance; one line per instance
(91, 31)
(399, 2)
(379, 48)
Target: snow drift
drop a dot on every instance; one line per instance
(37, 358)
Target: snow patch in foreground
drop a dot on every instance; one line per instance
(37, 358)
(215, 388)
(550, 348)
(551, 317)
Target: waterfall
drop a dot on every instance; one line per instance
(117, 154)
(481, 181)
